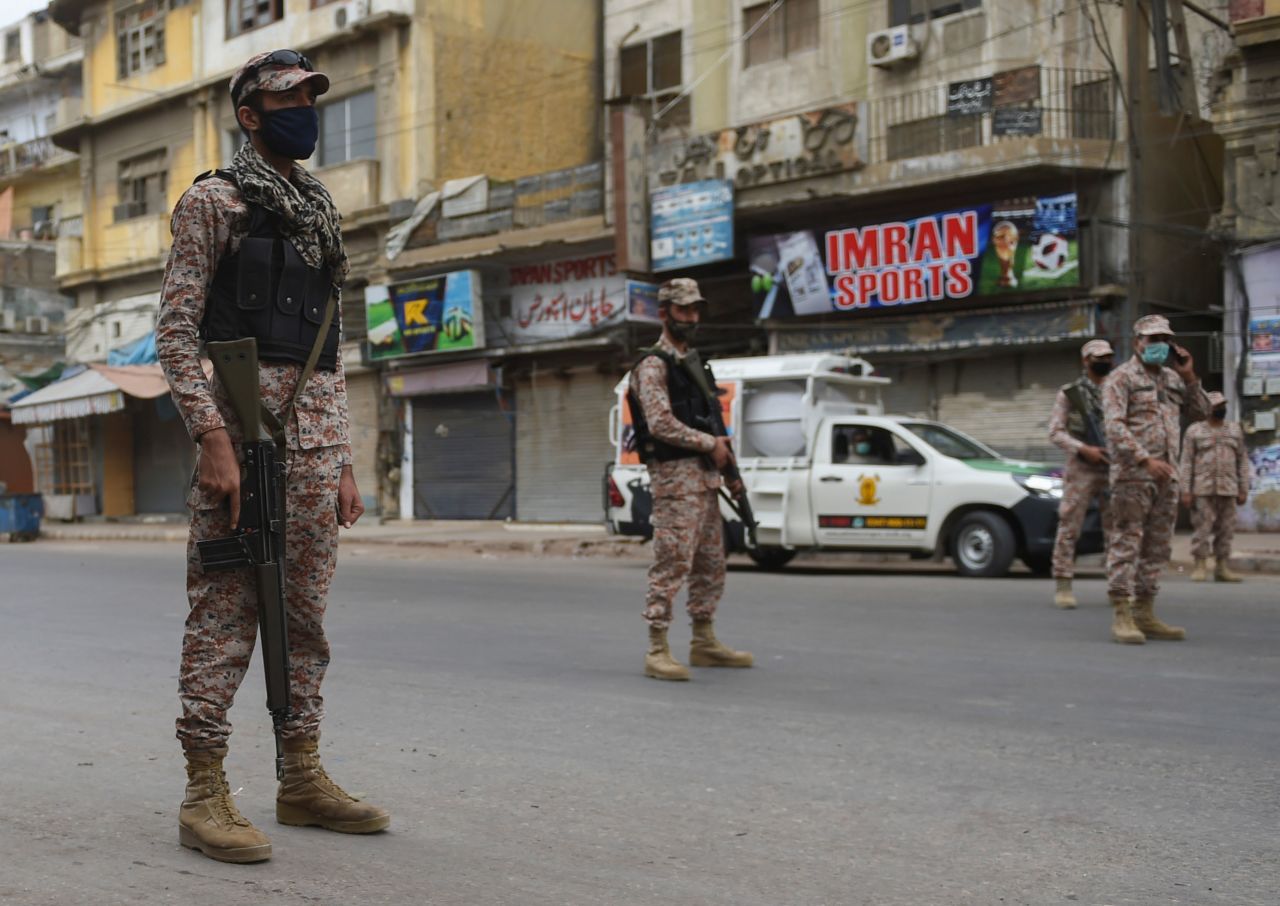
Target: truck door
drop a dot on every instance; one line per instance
(870, 487)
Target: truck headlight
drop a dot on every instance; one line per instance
(1041, 485)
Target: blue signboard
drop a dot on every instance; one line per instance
(691, 224)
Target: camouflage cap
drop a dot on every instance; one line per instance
(1096, 349)
(1216, 399)
(1152, 326)
(680, 291)
(260, 73)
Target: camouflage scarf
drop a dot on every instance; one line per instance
(307, 214)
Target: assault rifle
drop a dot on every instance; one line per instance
(1093, 433)
(739, 502)
(257, 542)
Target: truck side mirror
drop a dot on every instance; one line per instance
(909, 457)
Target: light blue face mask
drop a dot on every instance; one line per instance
(862, 448)
(1156, 354)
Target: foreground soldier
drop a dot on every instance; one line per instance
(1142, 401)
(1214, 476)
(684, 460)
(1074, 427)
(263, 232)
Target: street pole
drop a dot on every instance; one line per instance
(1135, 32)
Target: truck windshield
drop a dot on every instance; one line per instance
(950, 443)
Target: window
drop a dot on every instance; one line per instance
(12, 46)
(1091, 115)
(140, 38)
(792, 28)
(933, 135)
(904, 12)
(655, 70)
(348, 129)
(949, 442)
(143, 182)
(246, 15)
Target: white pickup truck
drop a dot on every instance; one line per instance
(826, 469)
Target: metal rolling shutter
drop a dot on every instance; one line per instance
(562, 445)
(362, 409)
(462, 458)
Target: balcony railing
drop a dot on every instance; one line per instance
(23, 155)
(1051, 103)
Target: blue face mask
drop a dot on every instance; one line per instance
(862, 448)
(291, 131)
(1156, 354)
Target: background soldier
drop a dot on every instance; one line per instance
(671, 417)
(1077, 415)
(1142, 402)
(1214, 476)
(224, 224)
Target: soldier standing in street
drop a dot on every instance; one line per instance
(257, 252)
(1142, 402)
(671, 415)
(1074, 427)
(1214, 477)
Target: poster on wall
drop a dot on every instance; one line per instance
(691, 224)
(432, 314)
(1018, 246)
(556, 300)
(1264, 346)
(642, 302)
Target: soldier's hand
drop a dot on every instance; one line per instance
(1242, 499)
(219, 470)
(1186, 369)
(1159, 469)
(735, 487)
(1092, 454)
(722, 455)
(350, 507)
(1186, 500)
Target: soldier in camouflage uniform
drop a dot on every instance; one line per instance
(1142, 402)
(1086, 477)
(683, 459)
(1214, 476)
(264, 189)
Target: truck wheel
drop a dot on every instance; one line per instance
(771, 558)
(983, 545)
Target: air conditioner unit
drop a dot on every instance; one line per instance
(37, 324)
(8, 320)
(351, 12)
(892, 46)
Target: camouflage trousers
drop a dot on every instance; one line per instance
(688, 545)
(222, 625)
(1213, 519)
(1081, 484)
(1142, 519)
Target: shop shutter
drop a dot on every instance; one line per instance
(462, 458)
(362, 409)
(562, 445)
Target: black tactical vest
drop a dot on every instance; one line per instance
(688, 403)
(1075, 418)
(266, 291)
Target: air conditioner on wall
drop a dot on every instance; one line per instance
(36, 324)
(892, 46)
(351, 12)
(8, 320)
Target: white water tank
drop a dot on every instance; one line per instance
(772, 419)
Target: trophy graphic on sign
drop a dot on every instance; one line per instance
(1004, 239)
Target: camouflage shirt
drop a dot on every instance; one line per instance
(679, 476)
(1214, 461)
(210, 220)
(1141, 412)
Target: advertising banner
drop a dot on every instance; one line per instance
(985, 250)
(433, 314)
(567, 298)
(642, 302)
(691, 224)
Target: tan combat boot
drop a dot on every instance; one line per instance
(209, 820)
(1123, 629)
(1153, 627)
(1222, 574)
(659, 663)
(1201, 572)
(308, 798)
(1063, 597)
(705, 650)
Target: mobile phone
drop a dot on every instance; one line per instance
(1179, 355)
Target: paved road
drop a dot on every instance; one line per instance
(907, 739)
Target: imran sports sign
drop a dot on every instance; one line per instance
(1019, 246)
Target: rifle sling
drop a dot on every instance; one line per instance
(276, 424)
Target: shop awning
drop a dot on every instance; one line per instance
(96, 390)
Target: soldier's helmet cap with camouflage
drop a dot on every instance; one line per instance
(1096, 349)
(274, 70)
(680, 291)
(1152, 326)
(1216, 399)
